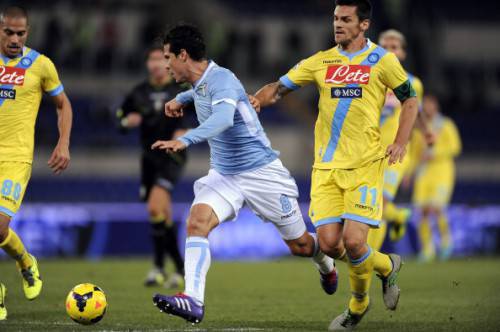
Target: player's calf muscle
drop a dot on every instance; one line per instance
(201, 220)
(303, 246)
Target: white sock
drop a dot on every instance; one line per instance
(324, 263)
(196, 264)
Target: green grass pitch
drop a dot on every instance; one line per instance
(282, 295)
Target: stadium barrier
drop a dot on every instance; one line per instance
(94, 230)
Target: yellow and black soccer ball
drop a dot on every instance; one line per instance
(86, 304)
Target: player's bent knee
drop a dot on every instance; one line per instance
(331, 245)
(4, 227)
(303, 246)
(354, 245)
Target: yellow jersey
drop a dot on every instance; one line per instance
(441, 154)
(352, 89)
(389, 119)
(22, 81)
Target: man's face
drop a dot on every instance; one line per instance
(346, 25)
(176, 64)
(157, 64)
(430, 106)
(13, 35)
(393, 44)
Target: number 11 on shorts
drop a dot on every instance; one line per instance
(364, 193)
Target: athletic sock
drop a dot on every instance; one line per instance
(426, 242)
(376, 236)
(444, 230)
(158, 236)
(14, 247)
(394, 214)
(360, 276)
(196, 265)
(172, 247)
(324, 263)
(382, 263)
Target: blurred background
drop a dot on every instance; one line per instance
(93, 209)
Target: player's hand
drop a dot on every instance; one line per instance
(59, 160)
(254, 102)
(169, 146)
(173, 109)
(396, 152)
(133, 120)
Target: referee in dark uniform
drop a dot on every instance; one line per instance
(144, 107)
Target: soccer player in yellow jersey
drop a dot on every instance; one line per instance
(395, 42)
(24, 75)
(347, 178)
(435, 178)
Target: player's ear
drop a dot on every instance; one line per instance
(365, 25)
(183, 55)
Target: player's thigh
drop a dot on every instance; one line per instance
(14, 178)
(423, 190)
(363, 199)
(327, 198)
(159, 203)
(218, 192)
(271, 193)
(355, 236)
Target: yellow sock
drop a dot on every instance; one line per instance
(425, 234)
(376, 236)
(360, 277)
(444, 230)
(382, 264)
(14, 247)
(395, 214)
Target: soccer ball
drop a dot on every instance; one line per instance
(86, 304)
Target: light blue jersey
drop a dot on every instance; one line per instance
(228, 122)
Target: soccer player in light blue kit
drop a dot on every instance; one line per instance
(244, 169)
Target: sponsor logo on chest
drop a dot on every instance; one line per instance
(347, 92)
(12, 75)
(7, 94)
(348, 74)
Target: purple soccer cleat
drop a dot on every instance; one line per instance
(180, 305)
(329, 281)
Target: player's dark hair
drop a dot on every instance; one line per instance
(13, 12)
(187, 37)
(363, 7)
(153, 48)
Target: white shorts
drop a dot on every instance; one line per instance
(270, 192)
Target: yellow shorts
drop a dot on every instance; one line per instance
(433, 190)
(355, 194)
(392, 177)
(14, 177)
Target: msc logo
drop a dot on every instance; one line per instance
(7, 94)
(347, 92)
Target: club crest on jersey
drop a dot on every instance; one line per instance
(348, 74)
(26, 62)
(373, 58)
(202, 90)
(12, 75)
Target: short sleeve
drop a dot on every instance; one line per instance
(393, 74)
(50, 79)
(301, 74)
(224, 87)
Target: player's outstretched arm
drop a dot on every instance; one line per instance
(59, 160)
(270, 93)
(397, 150)
(423, 125)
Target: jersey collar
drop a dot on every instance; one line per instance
(6, 59)
(352, 55)
(211, 65)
